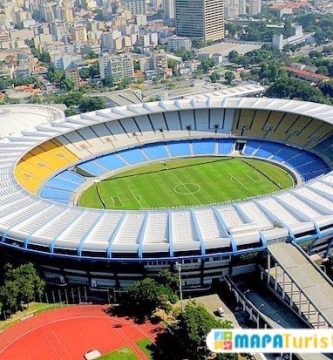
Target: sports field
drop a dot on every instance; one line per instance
(186, 182)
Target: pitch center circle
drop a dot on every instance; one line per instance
(187, 189)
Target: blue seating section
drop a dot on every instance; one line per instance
(63, 186)
(226, 146)
(155, 151)
(92, 168)
(203, 147)
(71, 177)
(58, 195)
(132, 157)
(267, 149)
(179, 148)
(251, 146)
(306, 164)
(110, 162)
(326, 147)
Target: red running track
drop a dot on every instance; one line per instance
(68, 333)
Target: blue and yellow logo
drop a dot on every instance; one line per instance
(223, 340)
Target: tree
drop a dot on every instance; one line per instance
(44, 57)
(72, 98)
(327, 88)
(323, 70)
(145, 296)
(214, 77)
(108, 81)
(70, 111)
(4, 84)
(206, 64)
(20, 286)
(186, 54)
(91, 103)
(94, 70)
(173, 64)
(233, 56)
(198, 43)
(168, 278)
(91, 55)
(84, 73)
(124, 83)
(187, 336)
(229, 77)
(67, 84)
(291, 88)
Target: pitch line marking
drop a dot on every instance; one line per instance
(190, 192)
(114, 198)
(138, 198)
(188, 189)
(236, 181)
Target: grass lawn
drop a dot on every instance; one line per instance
(145, 346)
(187, 182)
(121, 354)
(34, 308)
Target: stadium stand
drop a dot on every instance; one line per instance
(56, 159)
(295, 158)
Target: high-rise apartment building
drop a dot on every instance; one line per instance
(234, 8)
(169, 9)
(202, 19)
(136, 7)
(254, 7)
(117, 66)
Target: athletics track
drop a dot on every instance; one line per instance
(68, 333)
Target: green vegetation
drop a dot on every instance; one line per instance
(187, 182)
(33, 308)
(229, 77)
(187, 336)
(146, 346)
(320, 24)
(290, 88)
(19, 287)
(122, 354)
(144, 296)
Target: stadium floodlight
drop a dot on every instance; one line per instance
(179, 269)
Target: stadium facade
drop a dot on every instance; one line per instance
(45, 166)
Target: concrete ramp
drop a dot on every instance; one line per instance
(301, 284)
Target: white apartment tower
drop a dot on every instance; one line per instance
(136, 7)
(117, 66)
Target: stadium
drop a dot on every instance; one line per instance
(104, 198)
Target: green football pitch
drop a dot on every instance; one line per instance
(186, 182)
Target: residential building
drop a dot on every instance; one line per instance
(254, 7)
(200, 19)
(234, 8)
(117, 66)
(169, 8)
(72, 73)
(80, 34)
(147, 40)
(136, 7)
(176, 43)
